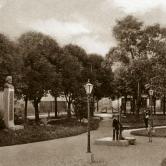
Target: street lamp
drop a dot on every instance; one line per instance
(88, 88)
(151, 95)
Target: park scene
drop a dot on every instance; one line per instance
(82, 83)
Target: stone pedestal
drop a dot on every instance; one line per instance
(8, 101)
(8, 110)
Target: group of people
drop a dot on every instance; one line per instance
(117, 128)
(148, 124)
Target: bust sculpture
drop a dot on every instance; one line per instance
(8, 82)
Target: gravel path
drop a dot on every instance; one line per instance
(72, 151)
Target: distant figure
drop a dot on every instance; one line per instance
(146, 119)
(115, 125)
(8, 82)
(150, 129)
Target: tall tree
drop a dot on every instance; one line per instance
(56, 90)
(135, 46)
(38, 71)
(70, 78)
(73, 62)
(100, 75)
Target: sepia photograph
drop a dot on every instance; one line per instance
(82, 83)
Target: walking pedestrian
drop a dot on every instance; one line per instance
(146, 118)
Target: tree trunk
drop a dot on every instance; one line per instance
(36, 103)
(133, 104)
(93, 107)
(138, 106)
(154, 104)
(138, 98)
(125, 101)
(25, 109)
(69, 101)
(164, 104)
(56, 107)
(69, 109)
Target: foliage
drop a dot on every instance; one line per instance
(100, 75)
(18, 116)
(34, 133)
(128, 32)
(36, 49)
(132, 121)
(80, 105)
(71, 75)
(139, 47)
(56, 85)
(77, 52)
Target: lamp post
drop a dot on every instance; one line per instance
(88, 88)
(151, 95)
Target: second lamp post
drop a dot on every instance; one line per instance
(151, 100)
(88, 88)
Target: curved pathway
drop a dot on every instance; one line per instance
(72, 151)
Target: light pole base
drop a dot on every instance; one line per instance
(90, 157)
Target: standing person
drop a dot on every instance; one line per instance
(115, 125)
(146, 119)
(150, 128)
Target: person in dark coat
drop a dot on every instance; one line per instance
(146, 119)
(115, 125)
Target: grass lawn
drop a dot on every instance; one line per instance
(158, 132)
(133, 121)
(55, 129)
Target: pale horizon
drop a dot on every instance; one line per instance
(85, 23)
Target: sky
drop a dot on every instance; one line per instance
(87, 23)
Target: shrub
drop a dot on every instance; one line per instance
(34, 133)
(80, 108)
(94, 123)
(18, 116)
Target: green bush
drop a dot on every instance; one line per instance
(18, 116)
(34, 133)
(94, 123)
(80, 108)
